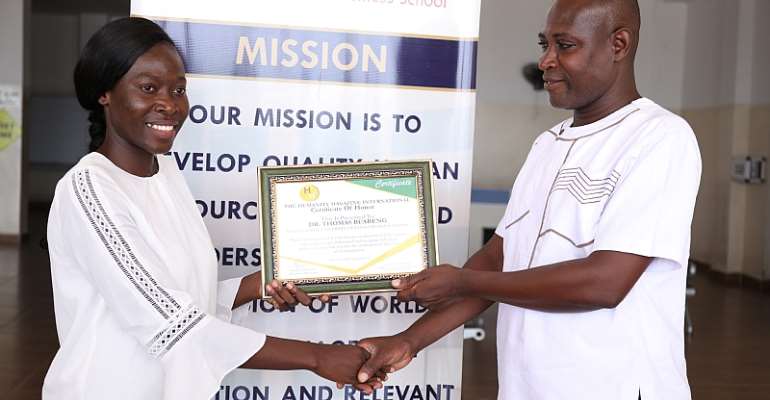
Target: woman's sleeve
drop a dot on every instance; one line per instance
(196, 350)
(226, 292)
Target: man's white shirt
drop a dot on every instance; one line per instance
(626, 183)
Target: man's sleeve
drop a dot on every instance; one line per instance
(650, 212)
(196, 349)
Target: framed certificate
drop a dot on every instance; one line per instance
(347, 228)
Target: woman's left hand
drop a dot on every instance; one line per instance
(285, 297)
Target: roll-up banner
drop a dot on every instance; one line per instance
(300, 82)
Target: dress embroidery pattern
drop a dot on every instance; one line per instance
(119, 249)
(584, 189)
(176, 329)
(180, 322)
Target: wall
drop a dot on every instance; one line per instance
(705, 59)
(11, 76)
(760, 125)
(57, 131)
(510, 114)
(726, 99)
(766, 269)
(709, 88)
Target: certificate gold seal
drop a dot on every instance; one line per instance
(309, 192)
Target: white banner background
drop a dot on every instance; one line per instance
(220, 161)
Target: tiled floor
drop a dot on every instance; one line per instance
(728, 356)
(28, 338)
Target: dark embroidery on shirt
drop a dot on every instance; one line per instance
(561, 130)
(175, 330)
(560, 138)
(587, 194)
(584, 189)
(565, 237)
(517, 220)
(119, 249)
(547, 202)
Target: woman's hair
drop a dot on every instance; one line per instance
(107, 56)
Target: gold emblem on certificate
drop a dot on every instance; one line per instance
(347, 228)
(309, 192)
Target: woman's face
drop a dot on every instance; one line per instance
(148, 105)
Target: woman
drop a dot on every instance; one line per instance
(139, 312)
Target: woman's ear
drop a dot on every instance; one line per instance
(104, 99)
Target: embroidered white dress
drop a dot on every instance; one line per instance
(139, 311)
(625, 183)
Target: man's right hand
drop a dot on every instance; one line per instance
(341, 363)
(387, 354)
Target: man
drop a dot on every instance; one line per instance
(589, 261)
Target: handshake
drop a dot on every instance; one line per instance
(367, 364)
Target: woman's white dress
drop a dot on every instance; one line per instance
(139, 311)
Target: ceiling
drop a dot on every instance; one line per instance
(115, 7)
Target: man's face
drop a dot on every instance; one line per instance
(577, 61)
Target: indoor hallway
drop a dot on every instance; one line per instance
(728, 355)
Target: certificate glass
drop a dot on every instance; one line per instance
(347, 228)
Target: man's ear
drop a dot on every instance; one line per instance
(104, 99)
(621, 43)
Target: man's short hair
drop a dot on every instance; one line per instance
(624, 13)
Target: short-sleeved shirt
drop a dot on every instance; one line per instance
(139, 311)
(625, 183)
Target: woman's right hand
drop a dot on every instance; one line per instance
(341, 363)
(285, 297)
(338, 363)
